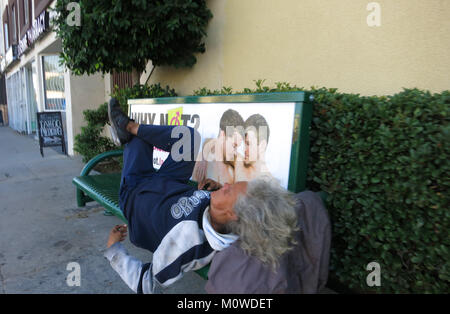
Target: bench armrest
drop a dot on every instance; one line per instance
(94, 161)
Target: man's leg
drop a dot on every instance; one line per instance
(182, 147)
(137, 159)
(138, 155)
(138, 152)
(181, 160)
(137, 165)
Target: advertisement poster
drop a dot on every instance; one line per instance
(259, 142)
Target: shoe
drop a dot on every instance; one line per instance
(118, 121)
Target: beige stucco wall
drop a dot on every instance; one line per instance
(85, 92)
(321, 43)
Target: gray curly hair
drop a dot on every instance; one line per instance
(267, 220)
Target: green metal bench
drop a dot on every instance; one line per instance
(102, 188)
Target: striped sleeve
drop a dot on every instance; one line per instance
(131, 270)
(184, 248)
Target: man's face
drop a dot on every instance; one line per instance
(251, 148)
(231, 145)
(223, 200)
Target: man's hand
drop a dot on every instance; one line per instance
(200, 169)
(117, 234)
(210, 184)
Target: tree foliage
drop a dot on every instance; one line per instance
(123, 35)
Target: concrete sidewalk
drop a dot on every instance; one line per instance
(42, 230)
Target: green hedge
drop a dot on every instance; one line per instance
(90, 141)
(385, 163)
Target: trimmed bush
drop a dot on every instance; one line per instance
(90, 142)
(384, 161)
(141, 91)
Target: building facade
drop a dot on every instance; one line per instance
(35, 81)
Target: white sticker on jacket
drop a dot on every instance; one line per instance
(185, 205)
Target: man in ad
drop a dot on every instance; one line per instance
(219, 155)
(253, 163)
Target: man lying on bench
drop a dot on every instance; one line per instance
(181, 225)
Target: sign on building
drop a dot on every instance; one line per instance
(39, 27)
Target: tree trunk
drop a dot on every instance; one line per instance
(135, 77)
(151, 72)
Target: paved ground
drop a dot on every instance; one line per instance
(42, 230)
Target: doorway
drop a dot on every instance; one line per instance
(16, 102)
(31, 79)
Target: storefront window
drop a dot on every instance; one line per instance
(6, 36)
(53, 83)
(26, 12)
(13, 22)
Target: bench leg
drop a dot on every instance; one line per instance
(82, 198)
(81, 202)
